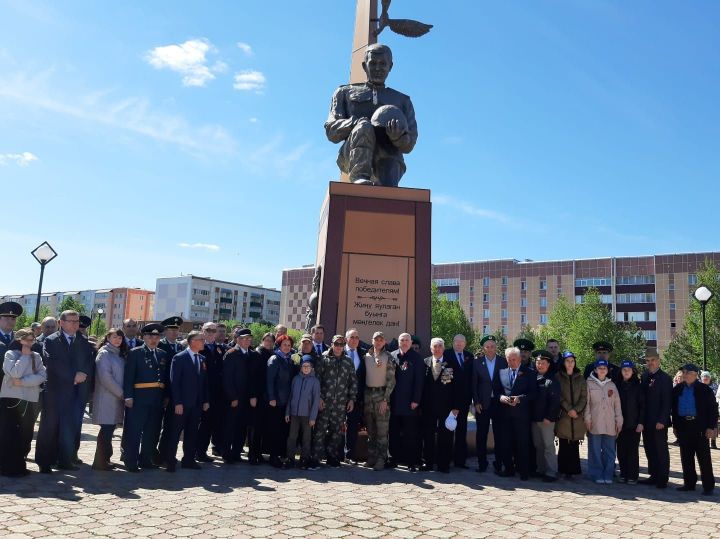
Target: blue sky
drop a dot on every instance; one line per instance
(149, 139)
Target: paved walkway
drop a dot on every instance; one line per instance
(244, 501)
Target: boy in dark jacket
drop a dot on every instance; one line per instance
(632, 402)
(301, 412)
(544, 415)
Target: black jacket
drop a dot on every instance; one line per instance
(466, 368)
(658, 398)
(706, 408)
(632, 401)
(484, 388)
(63, 361)
(439, 398)
(189, 384)
(409, 380)
(525, 387)
(547, 398)
(214, 361)
(360, 373)
(236, 379)
(258, 374)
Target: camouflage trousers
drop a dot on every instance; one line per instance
(377, 424)
(328, 436)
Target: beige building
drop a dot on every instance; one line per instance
(652, 291)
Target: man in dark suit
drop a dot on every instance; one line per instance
(464, 361)
(171, 347)
(405, 403)
(131, 330)
(144, 383)
(657, 386)
(188, 378)
(356, 353)
(486, 391)
(443, 393)
(64, 355)
(519, 387)
(86, 364)
(695, 419)
(317, 332)
(9, 311)
(212, 420)
(237, 372)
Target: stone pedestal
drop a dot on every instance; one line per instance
(374, 250)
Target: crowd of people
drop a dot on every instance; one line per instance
(229, 400)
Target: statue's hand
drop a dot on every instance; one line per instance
(394, 130)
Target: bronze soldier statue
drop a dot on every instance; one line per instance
(375, 123)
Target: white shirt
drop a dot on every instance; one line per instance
(490, 364)
(69, 337)
(318, 346)
(244, 350)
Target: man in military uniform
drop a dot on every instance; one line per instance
(526, 347)
(379, 385)
(144, 384)
(373, 144)
(9, 311)
(338, 391)
(602, 350)
(171, 347)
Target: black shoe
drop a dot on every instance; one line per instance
(333, 463)
(497, 466)
(229, 460)
(444, 470)
(312, 464)
(506, 473)
(568, 476)
(685, 488)
(149, 466)
(216, 452)
(707, 492)
(524, 478)
(69, 467)
(191, 465)
(412, 469)
(254, 461)
(288, 464)
(171, 466)
(101, 467)
(426, 468)
(275, 462)
(133, 469)
(647, 481)
(391, 464)
(46, 469)
(77, 461)
(204, 457)
(482, 468)
(549, 479)
(462, 466)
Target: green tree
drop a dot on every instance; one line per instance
(529, 333)
(448, 319)
(71, 304)
(28, 317)
(98, 327)
(708, 275)
(577, 327)
(679, 352)
(258, 330)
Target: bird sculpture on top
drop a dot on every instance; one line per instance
(404, 27)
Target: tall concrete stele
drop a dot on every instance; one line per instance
(373, 268)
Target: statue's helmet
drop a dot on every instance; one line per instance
(386, 113)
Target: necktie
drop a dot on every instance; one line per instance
(197, 363)
(70, 340)
(131, 343)
(318, 347)
(6, 338)
(512, 377)
(460, 360)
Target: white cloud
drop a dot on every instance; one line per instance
(133, 114)
(246, 48)
(21, 159)
(249, 80)
(253, 120)
(189, 59)
(207, 246)
(469, 209)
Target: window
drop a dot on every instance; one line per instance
(650, 334)
(523, 285)
(672, 306)
(672, 324)
(450, 296)
(692, 279)
(543, 302)
(447, 282)
(503, 314)
(471, 304)
(504, 296)
(671, 286)
(523, 319)
(504, 281)
(472, 288)
(593, 281)
(648, 316)
(635, 298)
(503, 330)
(486, 313)
(486, 330)
(486, 298)
(543, 284)
(486, 281)
(636, 279)
(604, 298)
(543, 319)
(523, 302)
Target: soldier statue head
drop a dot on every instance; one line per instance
(378, 63)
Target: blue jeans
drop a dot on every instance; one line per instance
(601, 456)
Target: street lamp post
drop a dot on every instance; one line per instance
(97, 320)
(703, 294)
(43, 253)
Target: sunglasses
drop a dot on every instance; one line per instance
(338, 344)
